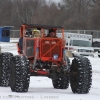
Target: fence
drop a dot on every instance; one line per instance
(14, 33)
(95, 33)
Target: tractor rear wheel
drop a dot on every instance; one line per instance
(81, 75)
(5, 59)
(19, 74)
(62, 82)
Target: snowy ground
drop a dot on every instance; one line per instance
(41, 88)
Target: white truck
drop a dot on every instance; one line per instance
(78, 44)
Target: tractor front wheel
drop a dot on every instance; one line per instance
(61, 83)
(5, 59)
(80, 75)
(19, 74)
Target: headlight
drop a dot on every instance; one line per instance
(75, 50)
(55, 56)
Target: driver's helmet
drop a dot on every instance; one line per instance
(36, 33)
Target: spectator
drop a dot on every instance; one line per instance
(28, 33)
(20, 45)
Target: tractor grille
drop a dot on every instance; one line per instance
(50, 47)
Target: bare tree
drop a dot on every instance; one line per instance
(94, 18)
(5, 12)
(78, 13)
(71, 14)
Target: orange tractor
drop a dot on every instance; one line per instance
(46, 56)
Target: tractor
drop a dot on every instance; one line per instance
(44, 56)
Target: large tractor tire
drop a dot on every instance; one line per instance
(19, 74)
(81, 75)
(5, 59)
(62, 82)
(99, 52)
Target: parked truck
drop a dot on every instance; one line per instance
(78, 44)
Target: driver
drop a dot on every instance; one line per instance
(52, 33)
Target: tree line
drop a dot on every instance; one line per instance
(71, 14)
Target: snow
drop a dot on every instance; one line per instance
(41, 88)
